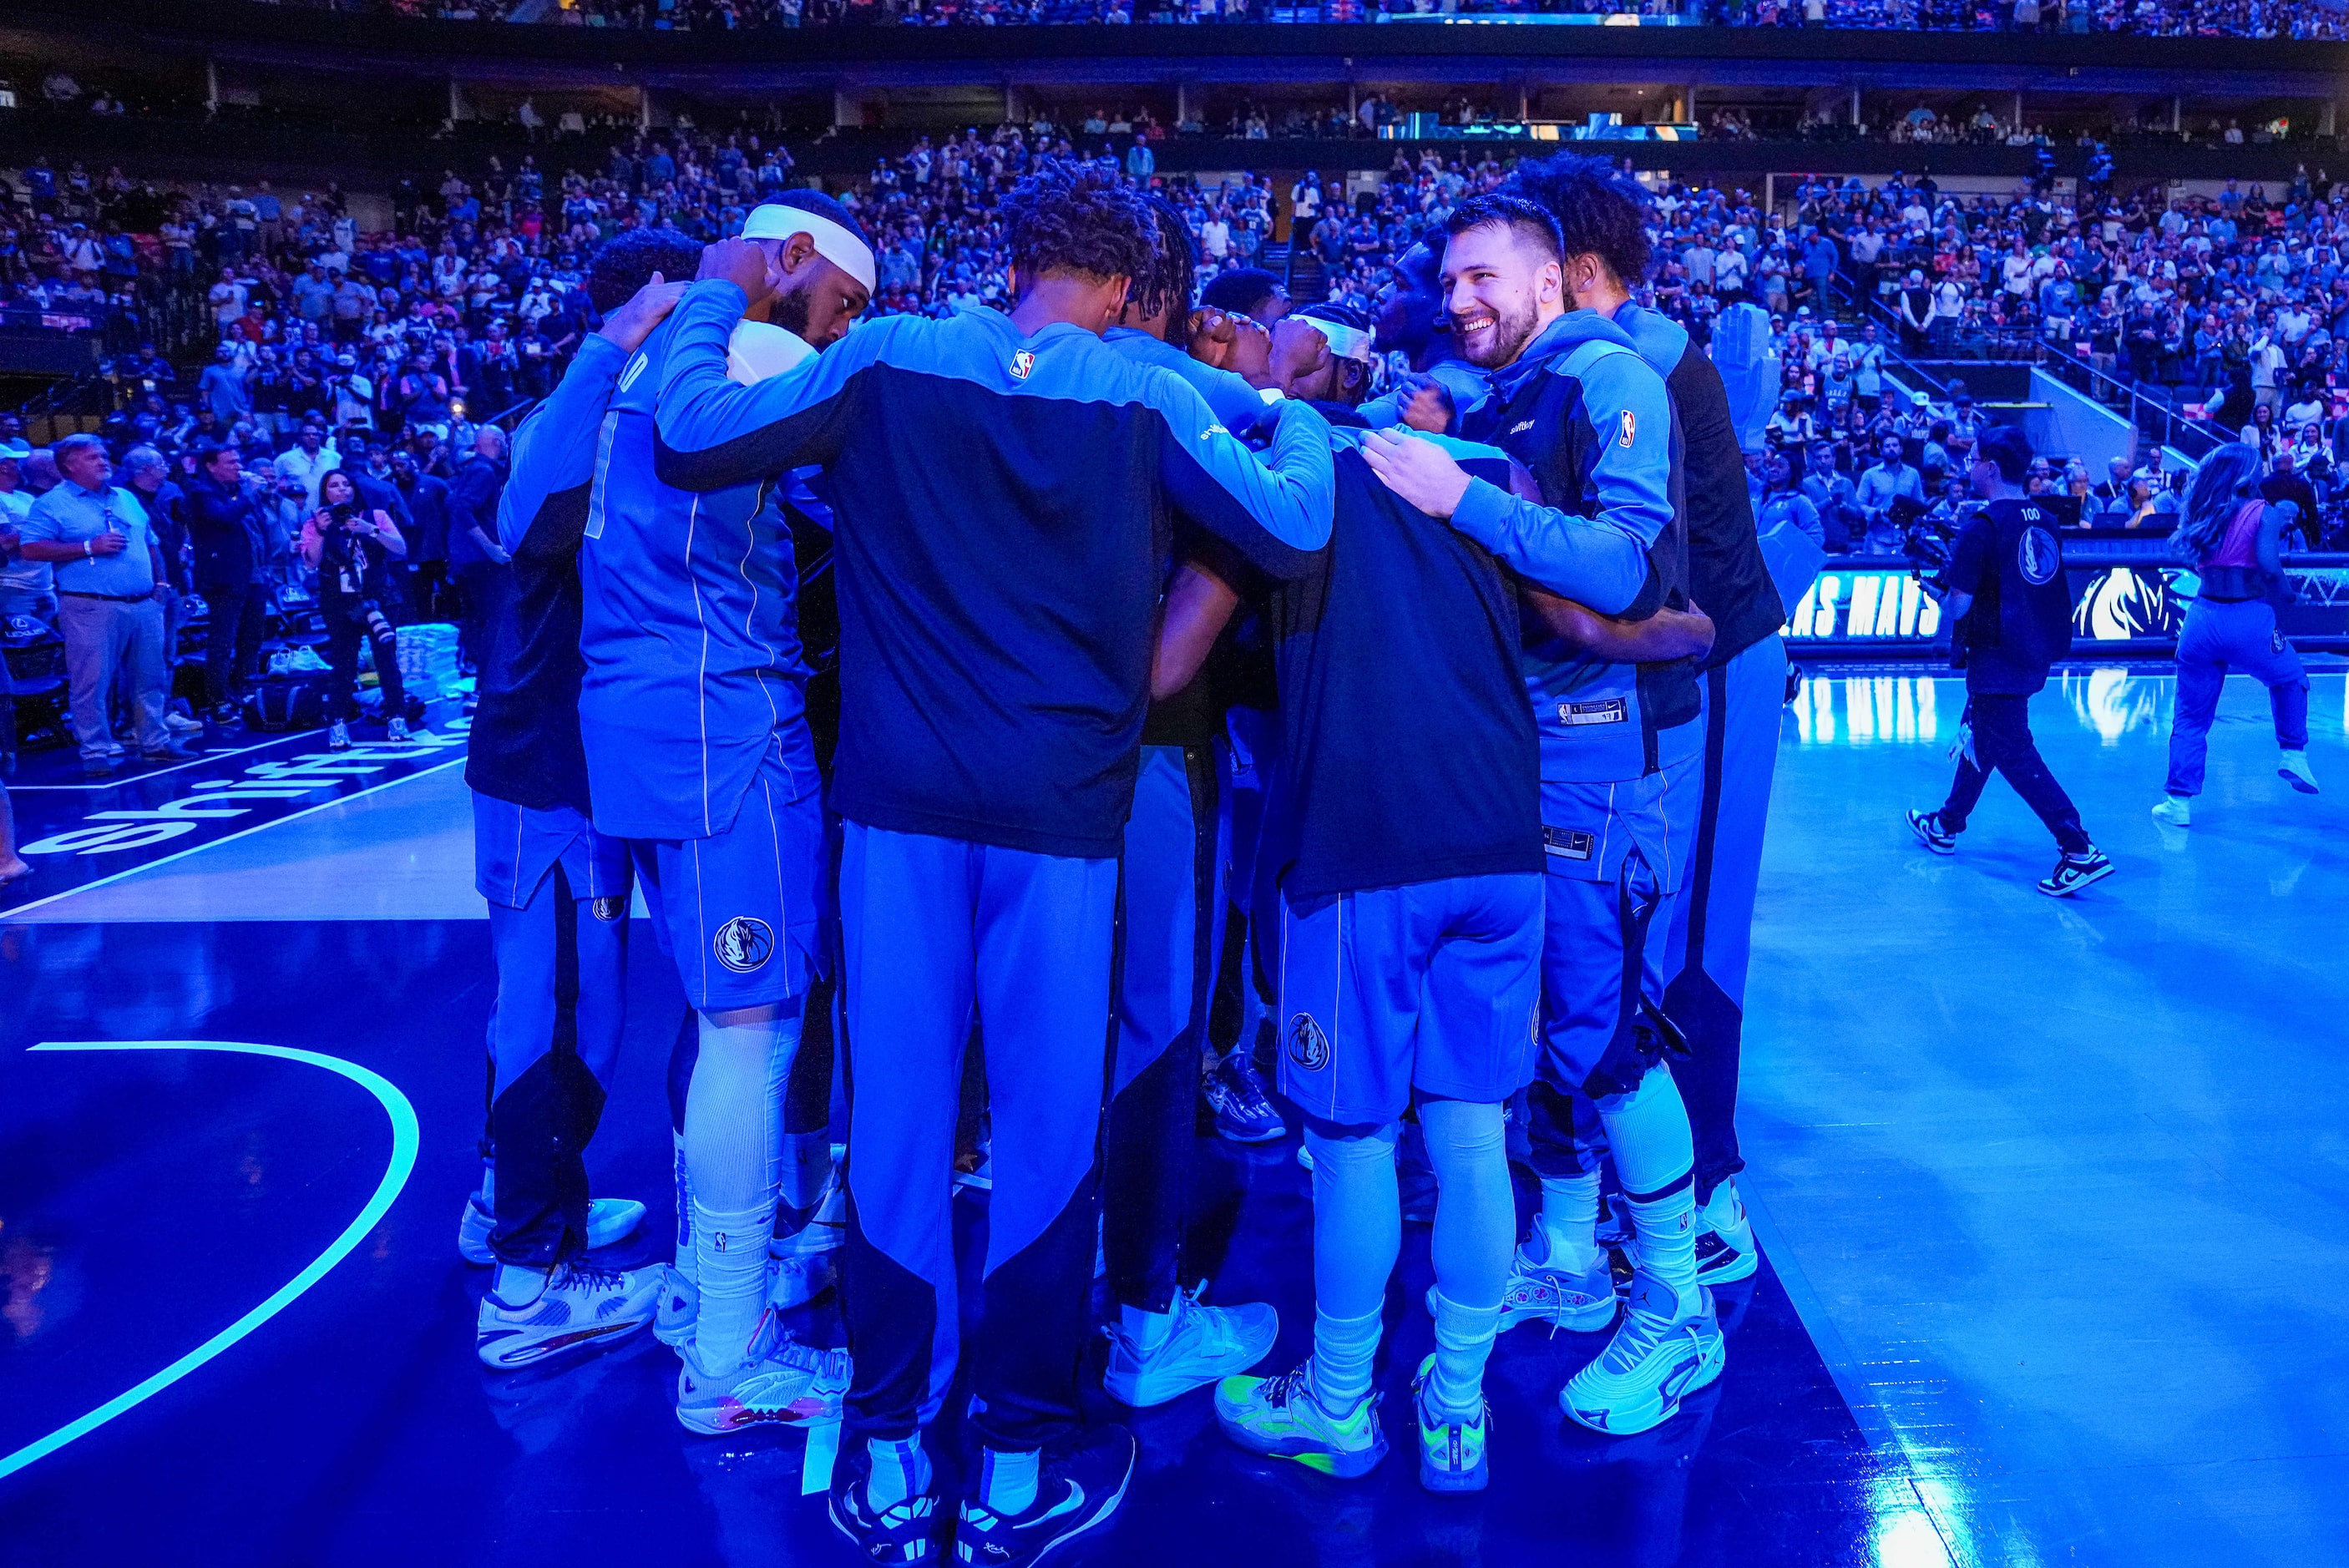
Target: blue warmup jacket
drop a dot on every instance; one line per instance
(1240, 406)
(1728, 578)
(1592, 422)
(1006, 507)
(689, 632)
(524, 748)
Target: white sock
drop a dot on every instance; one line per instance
(1463, 1342)
(687, 1264)
(730, 1248)
(1343, 1349)
(1648, 1129)
(518, 1284)
(726, 1156)
(1148, 1330)
(900, 1470)
(1723, 1212)
(1567, 1226)
(1007, 1485)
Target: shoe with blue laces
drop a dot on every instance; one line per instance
(581, 1306)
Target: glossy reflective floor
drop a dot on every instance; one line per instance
(2053, 1194)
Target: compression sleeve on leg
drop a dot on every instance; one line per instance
(1356, 1235)
(728, 1160)
(1475, 1228)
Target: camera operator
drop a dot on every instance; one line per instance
(351, 548)
(2003, 594)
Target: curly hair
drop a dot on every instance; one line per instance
(1600, 209)
(627, 260)
(1166, 284)
(1069, 216)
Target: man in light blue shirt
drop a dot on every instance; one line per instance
(1879, 487)
(111, 585)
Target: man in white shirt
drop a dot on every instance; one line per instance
(307, 462)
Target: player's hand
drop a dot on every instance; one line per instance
(1251, 352)
(109, 543)
(1213, 333)
(1429, 408)
(1419, 471)
(630, 324)
(742, 263)
(1300, 351)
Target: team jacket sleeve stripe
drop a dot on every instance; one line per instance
(715, 432)
(1275, 510)
(555, 449)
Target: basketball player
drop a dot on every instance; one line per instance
(693, 713)
(557, 888)
(1574, 402)
(1004, 485)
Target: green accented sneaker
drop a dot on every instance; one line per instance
(1280, 1417)
(1451, 1451)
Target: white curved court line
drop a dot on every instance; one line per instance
(404, 1138)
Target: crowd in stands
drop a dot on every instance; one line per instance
(388, 352)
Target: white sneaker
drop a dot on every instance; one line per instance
(2174, 811)
(1204, 1344)
(1667, 1346)
(609, 1219)
(338, 737)
(781, 1383)
(582, 1305)
(1583, 1302)
(181, 724)
(679, 1307)
(395, 732)
(2293, 769)
(1724, 1239)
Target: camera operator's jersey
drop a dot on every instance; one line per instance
(1727, 575)
(1006, 506)
(524, 747)
(1592, 422)
(1410, 754)
(688, 630)
(2008, 557)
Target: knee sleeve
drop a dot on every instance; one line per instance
(729, 1124)
(1357, 1216)
(1648, 1132)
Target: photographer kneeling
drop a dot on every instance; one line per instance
(351, 548)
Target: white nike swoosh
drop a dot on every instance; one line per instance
(1069, 1504)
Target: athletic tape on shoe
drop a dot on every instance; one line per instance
(835, 244)
(815, 1465)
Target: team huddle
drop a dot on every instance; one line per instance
(1463, 698)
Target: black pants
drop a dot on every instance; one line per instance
(2002, 744)
(238, 611)
(346, 625)
(486, 586)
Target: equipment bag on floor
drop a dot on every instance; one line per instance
(297, 701)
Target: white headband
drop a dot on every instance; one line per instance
(773, 221)
(1345, 341)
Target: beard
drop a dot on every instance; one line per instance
(1512, 330)
(790, 312)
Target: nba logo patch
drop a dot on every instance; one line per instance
(1309, 1047)
(1631, 427)
(743, 945)
(1023, 363)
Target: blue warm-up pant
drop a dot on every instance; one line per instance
(938, 933)
(1710, 941)
(1174, 850)
(2241, 635)
(558, 898)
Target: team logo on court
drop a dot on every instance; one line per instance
(608, 909)
(1023, 363)
(2036, 555)
(743, 944)
(1309, 1047)
(1631, 427)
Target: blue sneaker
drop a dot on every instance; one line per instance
(1451, 1450)
(1243, 1112)
(1084, 1480)
(904, 1531)
(1667, 1346)
(1279, 1417)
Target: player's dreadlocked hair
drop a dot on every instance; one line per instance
(627, 260)
(1600, 209)
(1077, 218)
(1166, 285)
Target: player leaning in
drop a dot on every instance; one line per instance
(1005, 488)
(1576, 405)
(693, 710)
(1741, 693)
(1407, 831)
(1165, 1342)
(557, 888)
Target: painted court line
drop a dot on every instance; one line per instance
(198, 761)
(404, 1139)
(228, 839)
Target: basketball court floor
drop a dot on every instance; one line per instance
(2052, 1195)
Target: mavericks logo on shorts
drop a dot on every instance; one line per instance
(1309, 1047)
(743, 944)
(608, 909)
